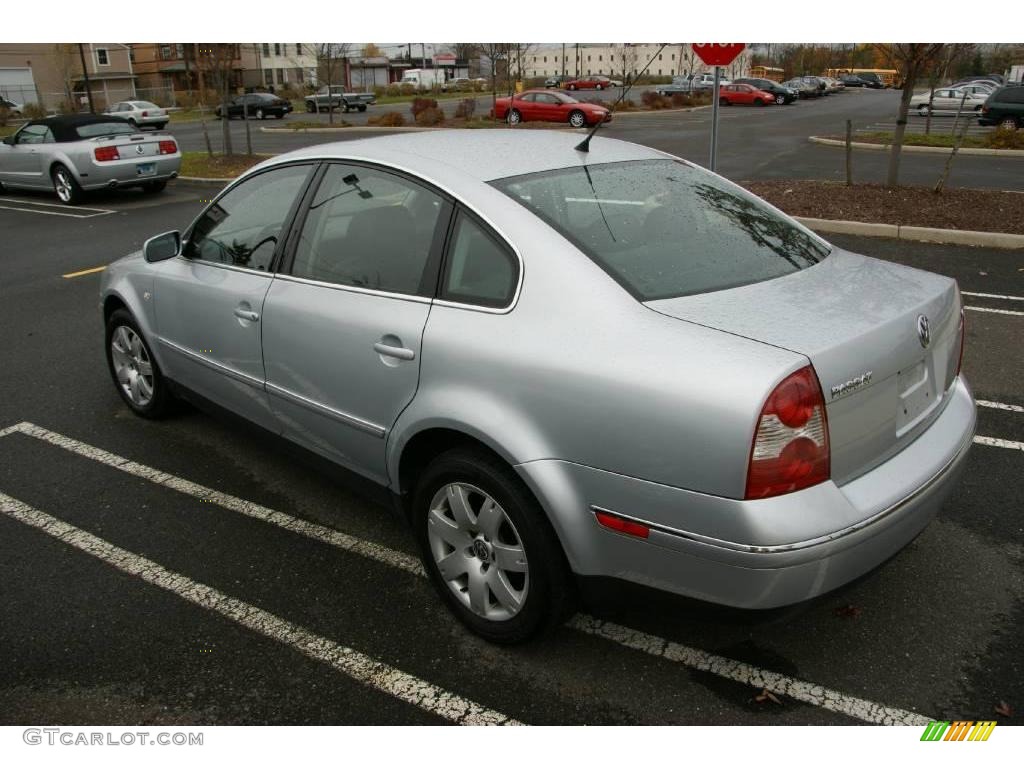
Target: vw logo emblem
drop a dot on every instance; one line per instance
(923, 333)
(139, 148)
(480, 550)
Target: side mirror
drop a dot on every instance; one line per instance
(9, 140)
(162, 247)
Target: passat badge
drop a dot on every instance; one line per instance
(924, 335)
(855, 383)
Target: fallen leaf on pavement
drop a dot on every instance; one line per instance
(1004, 709)
(766, 695)
(848, 612)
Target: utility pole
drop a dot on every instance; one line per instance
(423, 55)
(85, 76)
(563, 61)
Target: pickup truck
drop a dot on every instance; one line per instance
(689, 84)
(335, 97)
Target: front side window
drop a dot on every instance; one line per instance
(664, 228)
(368, 229)
(243, 227)
(35, 134)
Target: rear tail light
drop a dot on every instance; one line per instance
(106, 154)
(145, 114)
(168, 147)
(790, 449)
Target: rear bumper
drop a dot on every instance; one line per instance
(124, 173)
(764, 553)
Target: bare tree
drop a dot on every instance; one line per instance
(330, 63)
(65, 57)
(626, 57)
(912, 60)
(217, 61)
(495, 53)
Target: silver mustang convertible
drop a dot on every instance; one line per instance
(73, 154)
(610, 363)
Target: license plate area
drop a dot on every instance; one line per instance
(145, 169)
(917, 395)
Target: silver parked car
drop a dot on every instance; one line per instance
(141, 114)
(76, 153)
(948, 100)
(610, 363)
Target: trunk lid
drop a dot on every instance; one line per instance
(134, 146)
(858, 320)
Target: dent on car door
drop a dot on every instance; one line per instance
(209, 301)
(342, 330)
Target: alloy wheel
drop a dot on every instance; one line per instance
(132, 366)
(478, 552)
(577, 120)
(1008, 124)
(62, 185)
(780, 99)
(514, 117)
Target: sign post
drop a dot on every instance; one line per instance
(717, 55)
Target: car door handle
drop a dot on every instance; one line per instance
(402, 353)
(247, 314)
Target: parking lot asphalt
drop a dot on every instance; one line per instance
(754, 143)
(194, 571)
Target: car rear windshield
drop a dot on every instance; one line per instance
(664, 228)
(90, 130)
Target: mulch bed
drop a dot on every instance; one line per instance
(982, 210)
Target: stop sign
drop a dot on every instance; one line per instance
(717, 54)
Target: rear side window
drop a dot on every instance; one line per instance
(368, 229)
(479, 269)
(1012, 95)
(664, 228)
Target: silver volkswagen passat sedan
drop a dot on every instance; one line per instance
(605, 363)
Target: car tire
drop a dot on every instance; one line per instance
(362, 107)
(577, 119)
(259, 114)
(161, 126)
(133, 124)
(780, 99)
(155, 186)
(922, 110)
(1009, 124)
(571, 87)
(723, 102)
(311, 107)
(758, 102)
(125, 358)
(514, 117)
(537, 590)
(65, 186)
(599, 87)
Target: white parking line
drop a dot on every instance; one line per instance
(693, 658)
(992, 296)
(1000, 406)
(994, 311)
(55, 213)
(997, 442)
(366, 670)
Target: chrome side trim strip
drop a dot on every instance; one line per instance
(245, 378)
(345, 418)
(352, 288)
(772, 549)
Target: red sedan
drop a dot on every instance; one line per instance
(586, 83)
(550, 106)
(741, 93)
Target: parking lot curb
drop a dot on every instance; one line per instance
(922, 150)
(916, 234)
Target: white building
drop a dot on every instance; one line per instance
(283, 64)
(618, 59)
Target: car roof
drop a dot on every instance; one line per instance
(63, 126)
(483, 155)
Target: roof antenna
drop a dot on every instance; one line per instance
(584, 146)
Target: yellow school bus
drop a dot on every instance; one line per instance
(775, 74)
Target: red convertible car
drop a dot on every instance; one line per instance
(741, 93)
(550, 106)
